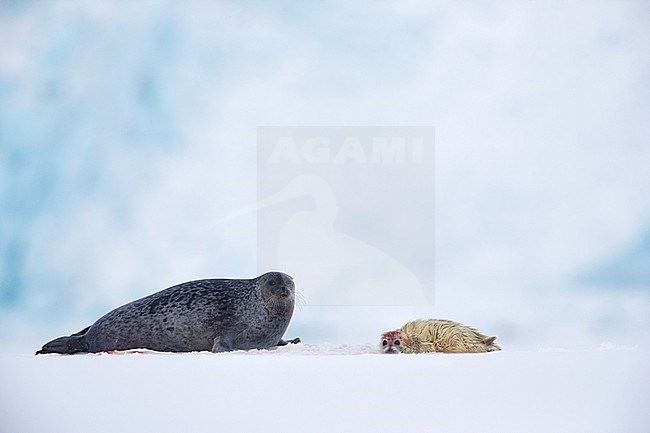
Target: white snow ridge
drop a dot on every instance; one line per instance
(333, 388)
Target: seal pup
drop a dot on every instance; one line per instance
(436, 335)
(216, 314)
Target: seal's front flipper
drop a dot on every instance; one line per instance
(293, 341)
(226, 341)
(223, 344)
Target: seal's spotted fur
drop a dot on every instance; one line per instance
(218, 315)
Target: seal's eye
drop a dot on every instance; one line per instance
(272, 283)
(384, 342)
(396, 342)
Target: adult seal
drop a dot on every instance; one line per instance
(217, 314)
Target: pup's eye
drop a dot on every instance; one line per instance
(272, 283)
(384, 342)
(396, 342)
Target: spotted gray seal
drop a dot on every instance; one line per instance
(217, 314)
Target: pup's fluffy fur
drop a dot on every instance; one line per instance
(436, 335)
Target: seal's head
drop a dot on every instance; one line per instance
(393, 342)
(277, 288)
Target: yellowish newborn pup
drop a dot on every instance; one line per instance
(436, 335)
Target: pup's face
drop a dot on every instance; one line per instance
(391, 342)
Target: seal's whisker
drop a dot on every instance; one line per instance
(300, 299)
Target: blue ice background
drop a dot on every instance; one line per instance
(127, 128)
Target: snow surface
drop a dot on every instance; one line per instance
(328, 388)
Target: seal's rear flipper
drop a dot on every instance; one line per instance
(75, 343)
(489, 340)
(83, 331)
(491, 345)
